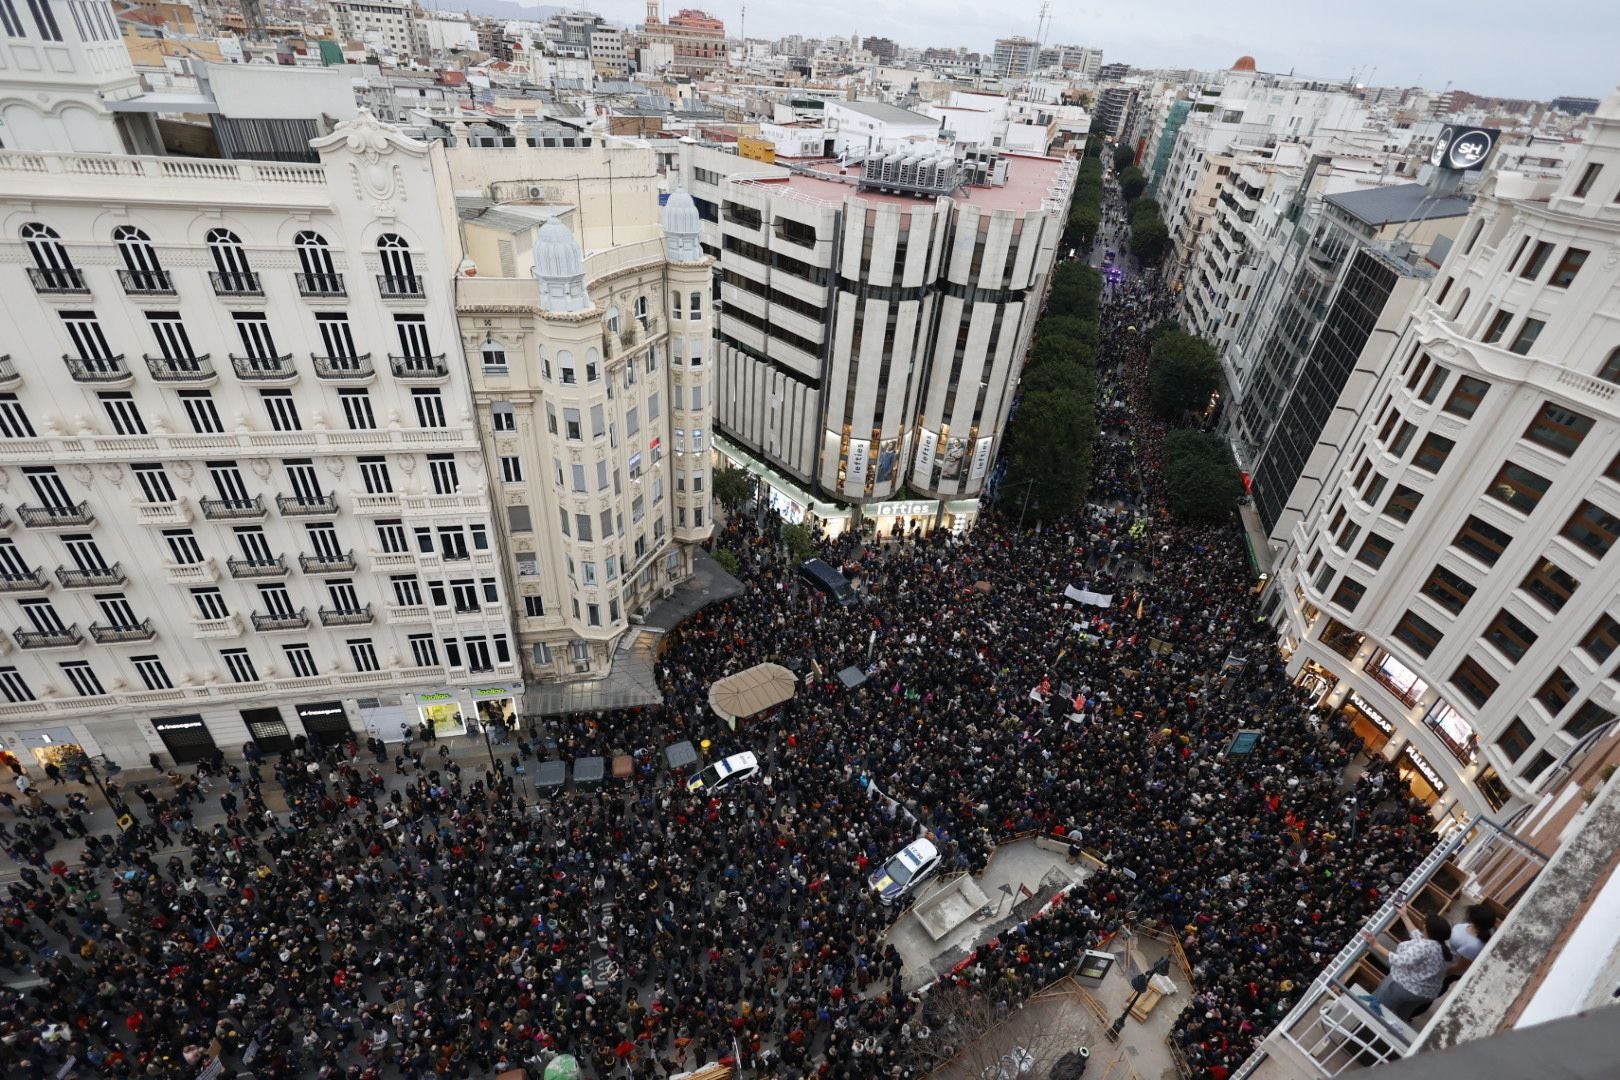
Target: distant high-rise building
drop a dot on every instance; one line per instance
(696, 40)
(1576, 106)
(1015, 57)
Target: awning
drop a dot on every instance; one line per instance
(752, 691)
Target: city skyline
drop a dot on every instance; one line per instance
(1334, 43)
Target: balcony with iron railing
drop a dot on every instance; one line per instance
(108, 371)
(321, 286)
(76, 578)
(56, 517)
(419, 368)
(281, 620)
(236, 283)
(396, 287)
(233, 509)
(9, 375)
(121, 634)
(64, 638)
(268, 369)
(190, 370)
(247, 569)
(307, 505)
(327, 564)
(360, 616)
(27, 581)
(147, 282)
(58, 281)
(347, 369)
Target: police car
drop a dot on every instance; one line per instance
(725, 773)
(905, 870)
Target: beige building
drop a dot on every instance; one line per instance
(585, 318)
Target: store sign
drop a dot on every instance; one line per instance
(435, 698)
(927, 443)
(1461, 148)
(181, 724)
(320, 710)
(856, 471)
(1422, 765)
(913, 508)
(981, 460)
(492, 691)
(1372, 714)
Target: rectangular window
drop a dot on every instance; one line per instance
(1537, 260)
(1498, 326)
(429, 408)
(571, 424)
(1592, 528)
(511, 470)
(1515, 739)
(374, 474)
(183, 547)
(13, 420)
(1558, 429)
(13, 26)
(1482, 540)
(1602, 639)
(1525, 339)
(357, 411)
(280, 407)
(1451, 591)
(1403, 503)
(1538, 765)
(201, 411)
(576, 473)
(407, 590)
(413, 339)
(598, 422)
(534, 607)
(1432, 388)
(1556, 693)
(89, 340)
(45, 19)
(83, 677)
(338, 339)
(1551, 585)
(1568, 267)
(1587, 719)
(502, 417)
(1473, 682)
(121, 411)
(1518, 487)
(632, 422)
(1510, 636)
(518, 519)
(1588, 178)
(1466, 396)
(1417, 633)
(239, 665)
(363, 654)
(582, 527)
(152, 672)
(424, 651)
(210, 604)
(1432, 454)
(1374, 550)
(1403, 438)
(300, 660)
(14, 688)
(254, 330)
(391, 537)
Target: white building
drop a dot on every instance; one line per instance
(587, 319)
(1454, 583)
(392, 23)
(244, 493)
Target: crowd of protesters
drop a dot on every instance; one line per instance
(417, 916)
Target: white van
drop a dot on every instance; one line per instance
(906, 869)
(736, 769)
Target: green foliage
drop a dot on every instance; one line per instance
(1076, 290)
(1142, 205)
(799, 544)
(1149, 239)
(732, 486)
(1049, 450)
(1202, 482)
(728, 561)
(1183, 371)
(1132, 182)
(1094, 147)
(1085, 207)
(1123, 157)
(1161, 328)
(1070, 326)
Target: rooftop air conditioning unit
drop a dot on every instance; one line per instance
(536, 191)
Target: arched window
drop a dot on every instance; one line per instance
(317, 275)
(1610, 372)
(641, 310)
(398, 277)
(1462, 302)
(52, 271)
(141, 272)
(231, 276)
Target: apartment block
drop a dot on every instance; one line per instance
(1453, 585)
(244, 495)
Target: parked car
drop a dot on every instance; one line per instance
(725, 773)
(906, 869)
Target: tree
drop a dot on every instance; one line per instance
(1202, 482)
(1076, 290)
(799, 544)
(1132, 182)
(1123, 157)
(1149, 239)
(728, 561)
(1183, 371)
(1049, 449)
(1143, 205)
(988, 1031)
(1159, 329)
(1060, 351)
(732, 486)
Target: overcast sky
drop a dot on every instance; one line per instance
(1503, 48)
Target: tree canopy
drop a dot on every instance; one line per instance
(1202, 482)
(1132, 182)
(1123, 158)
(731, 486)
(1183, 371)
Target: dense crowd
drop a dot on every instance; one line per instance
(414, 916)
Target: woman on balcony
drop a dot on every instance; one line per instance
(1417, 966)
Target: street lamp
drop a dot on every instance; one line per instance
(1139, 985)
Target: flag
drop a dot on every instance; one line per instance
(1139, 604)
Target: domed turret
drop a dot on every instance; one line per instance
(559, 266)
(682, 228)
(1244, 63)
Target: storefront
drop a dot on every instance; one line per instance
(1454, 732)
(496, 706)
(185, 737)
(1426, 785)
(326, 722)
(1317, 681)
(442, 709)
(960, 514)
(906, 515)
(47, 746)
(388, 719)
(1370, 725)
(267, 730)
